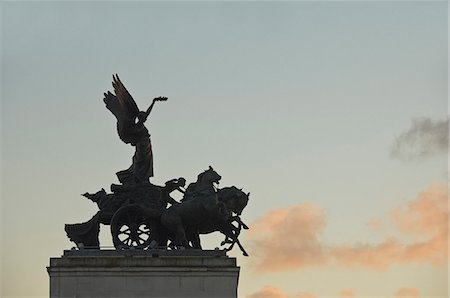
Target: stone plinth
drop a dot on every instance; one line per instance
(137, 273)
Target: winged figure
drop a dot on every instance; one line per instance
(131, 130)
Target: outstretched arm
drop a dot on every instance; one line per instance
(144, 117)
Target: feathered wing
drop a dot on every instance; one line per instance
(124, 108)
(122, 104)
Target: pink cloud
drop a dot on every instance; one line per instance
(407, 292)
(347, 293)
(274, 292)
(268, 292)
(375, 256)
(305, 295)
(426, 215)
(289, 238)
(286, 238)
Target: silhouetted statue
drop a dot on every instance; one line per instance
(131, 129)
(138, 211)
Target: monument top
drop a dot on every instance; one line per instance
(137, 210)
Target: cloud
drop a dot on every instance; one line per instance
(274, 292)
(391, 251)
(268, 292)
(375, 256)
(305, 295)
(347, 293)
(423, 139)
(426, 216)
(407, 292)
(288, 239)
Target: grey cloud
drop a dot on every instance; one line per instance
(423, 139)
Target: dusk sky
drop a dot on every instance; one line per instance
(332, 114)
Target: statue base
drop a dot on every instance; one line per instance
(143, 273)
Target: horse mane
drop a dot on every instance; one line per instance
(200, 176)
(227, 193)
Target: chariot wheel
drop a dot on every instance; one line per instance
(130, 228)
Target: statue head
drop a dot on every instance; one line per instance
(141, 116)
(181, 182)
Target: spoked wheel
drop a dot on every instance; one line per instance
(130, 228)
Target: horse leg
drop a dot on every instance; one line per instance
(231, 246)
(232, 232)
(181, 239)
(241, 223)
(195, 240)
(241, 247)
(236, 241)
(173, 223)
(163, 237)
(226, 241)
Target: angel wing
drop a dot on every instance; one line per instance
(122, 105)
(124, 108)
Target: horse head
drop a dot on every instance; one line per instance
(234, 199)
(209, 176)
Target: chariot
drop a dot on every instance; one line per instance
(139, 216)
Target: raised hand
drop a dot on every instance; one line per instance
(160, 98)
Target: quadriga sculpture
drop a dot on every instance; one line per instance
(136, 210)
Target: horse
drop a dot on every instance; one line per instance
(231, 200)
(199, 206)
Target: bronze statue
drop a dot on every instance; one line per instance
(131, 129)
(137, 210)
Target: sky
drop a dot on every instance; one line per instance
(333, 115)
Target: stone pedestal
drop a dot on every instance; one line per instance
(137, 273)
